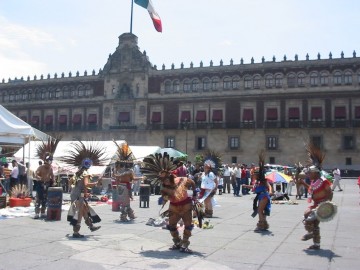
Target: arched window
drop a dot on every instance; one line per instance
(176, 86)
(314, 79)
(291, 80)
(18, 96)
(73, 92)
(187, 85)
(301, 80)
(337, 78)
(236, 83)
(88, 90)
(227, 84)
(11, 97)
(51, 93)
(206, 84)
(257, 81)
(37, 94)
(248, 82)
(278, 80)
(58, 93)
(25, 95)
(66, 92)
(81, 91)
(215, 84)
(168, 87)
(269, 81)
(324, 78)
(348, 77)
(195, 85)
(44, 94)
(30, 95)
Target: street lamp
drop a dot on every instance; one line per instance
(186, 125)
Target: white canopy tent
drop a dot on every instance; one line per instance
(63, 147)
(62, 150)
(13, 130)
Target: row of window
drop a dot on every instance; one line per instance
(217, 115)
(271, 142)
(301, 79)
(77, 119)
(271, 114)
(47, 93)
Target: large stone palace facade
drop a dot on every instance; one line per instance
(236, 108)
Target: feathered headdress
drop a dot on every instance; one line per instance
(261, 171)
(124, 153)
(316, 157)
(154, 165)
(46, 149)
(212, 159)
(85, 155)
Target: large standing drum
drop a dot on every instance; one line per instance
(54, 203)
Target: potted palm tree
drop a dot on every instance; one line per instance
(19, 196)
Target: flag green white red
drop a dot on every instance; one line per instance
(153, 14)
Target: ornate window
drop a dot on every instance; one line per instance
(278, 80)
(348, 142)
(248, 82)
(236, 83)
(337, 78)
(314, 79)
(269, 81)
(215, 84)
(206, 84)
(271, 142)
(170, 142)
(187, 85)
(176, 86)
(24, 95)
(324, 78)
(81, 91)
(227, 84)
(200, 143)
(195, 85)
(234, 143)
(301, 80)
(88, 90)
(168, 88)
(257, 80)
(291, 80)
(348, 77)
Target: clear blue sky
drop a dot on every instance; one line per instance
(54, 36)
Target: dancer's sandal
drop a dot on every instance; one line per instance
(314, 247)
(186, 250)
(175, 247)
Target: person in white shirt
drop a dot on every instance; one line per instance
(226, 177)
(14, 175)
(337, 178)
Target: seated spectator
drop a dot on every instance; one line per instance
(279, 195)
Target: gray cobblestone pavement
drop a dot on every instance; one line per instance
(38, 244)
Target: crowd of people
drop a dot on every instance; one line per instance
(204, 180)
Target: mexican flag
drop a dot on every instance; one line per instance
(153, 14)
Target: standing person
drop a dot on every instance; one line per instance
(175, 190)
(44, 174)
(237, 173)
(30, 175)
(226, 177)
(83, 156)
(45, 179)
(337, 178)
(244, 180)
(320, 191)
(233, 178)
(181, 170)
(196, 175)
(137, 179)
(6, 173)
(208, 187)
(22, 180)
(14, 175)
(263, 190)
(124, 176)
